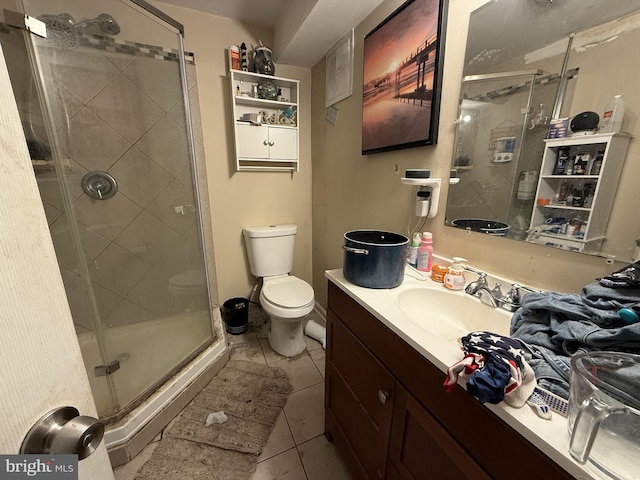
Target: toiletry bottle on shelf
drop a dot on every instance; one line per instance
(412, 257)
(613, 114)
(454, 279)
(561, 161)
(425, 252)
(596, 166)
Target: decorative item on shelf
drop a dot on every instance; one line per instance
(244, 61)
(585, 123)
(263, 62)
(267, 89)
(234, 51)
(288, 116)
(558, 127)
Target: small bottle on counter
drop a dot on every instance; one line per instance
(438, 272)
(412, 257)
(454, 279)
(425, 252)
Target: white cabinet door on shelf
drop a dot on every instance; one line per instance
(252, 141)
(283, 143)
(266, 142)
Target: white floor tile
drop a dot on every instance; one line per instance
(322, 461)
(305, 413)
(280, 439)
(286, 466)
(301, 370)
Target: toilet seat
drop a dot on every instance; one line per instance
(287, 296)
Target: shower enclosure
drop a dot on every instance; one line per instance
(103, 102)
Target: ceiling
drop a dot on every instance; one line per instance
(303, 29)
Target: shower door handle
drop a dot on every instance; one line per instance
(64, 431)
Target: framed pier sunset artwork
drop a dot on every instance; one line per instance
(402, 77)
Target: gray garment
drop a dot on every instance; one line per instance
(556, 326)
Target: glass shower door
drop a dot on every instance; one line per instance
(119, 192)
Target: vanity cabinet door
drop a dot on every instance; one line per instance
(421, 449)
(358, 401)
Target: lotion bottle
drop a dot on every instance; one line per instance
(412, 258)
(425, 252)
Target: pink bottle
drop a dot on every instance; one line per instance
(425, 252)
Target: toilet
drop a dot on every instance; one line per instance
(189, 290)
(286, 298)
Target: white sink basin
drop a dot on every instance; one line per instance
(450, 315)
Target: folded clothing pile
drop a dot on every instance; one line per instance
(495, 369)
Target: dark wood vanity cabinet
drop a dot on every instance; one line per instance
(390, 418)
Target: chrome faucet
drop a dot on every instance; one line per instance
(494, 297)
(512, 299)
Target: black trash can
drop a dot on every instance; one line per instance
(235, 312)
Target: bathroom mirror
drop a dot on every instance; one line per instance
(527, 62)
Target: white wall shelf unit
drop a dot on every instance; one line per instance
(268, 142)
(592, 215)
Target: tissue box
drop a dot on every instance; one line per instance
(558, 128)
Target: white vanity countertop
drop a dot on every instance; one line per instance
(550, 436)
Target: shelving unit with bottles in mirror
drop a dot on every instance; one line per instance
(265, 119)
(575, 195)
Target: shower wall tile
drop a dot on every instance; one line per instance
(84, 74)
(108, 218)
(73, 173)
(68, 277)
(161, 81)
(134, 242)
(149, 239)
(127, 313)
(152, 293)
(139, 177)
(50, 189)
(79, 302)
(119, 61)
(117, 270)
(92, 143)
(177, 114)
(93, 244)
(166, 144)
(186, 256)
(185, 177)
(64, 107)
(51, 212)
(125, 108)
(201, 172)
(176, 195)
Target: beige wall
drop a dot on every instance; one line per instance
(351, 191)
(244, 198)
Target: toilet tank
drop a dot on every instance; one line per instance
(270, 249)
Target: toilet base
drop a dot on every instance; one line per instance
(286, 336)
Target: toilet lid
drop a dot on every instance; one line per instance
(288, 292)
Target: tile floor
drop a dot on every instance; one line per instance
(297, 448)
